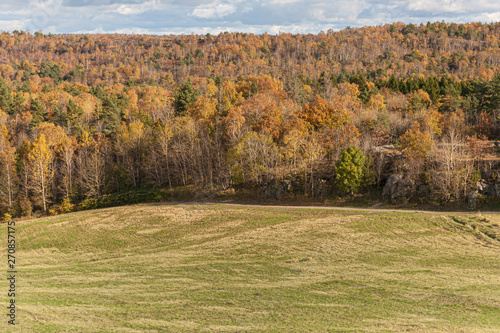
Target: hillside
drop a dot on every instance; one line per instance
(85, 116)
(216, 268)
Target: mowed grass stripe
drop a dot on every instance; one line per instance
(196, 268)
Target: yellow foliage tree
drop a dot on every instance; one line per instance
(333, 122)
(40, 158)
(416, 143)
(376, 102)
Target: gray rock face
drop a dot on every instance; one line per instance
(485, 187)
(473, 199)
(397, 187)
(278, 189)
(384, 149)
(424, 190)
(497, 190)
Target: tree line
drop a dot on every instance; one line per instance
(82, 116)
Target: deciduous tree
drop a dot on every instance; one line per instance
(40, 169)
(8, 174)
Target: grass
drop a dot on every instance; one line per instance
(214, 268)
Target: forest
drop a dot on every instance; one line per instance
(408, 112)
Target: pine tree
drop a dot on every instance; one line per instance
(5, 97)
(184, 96)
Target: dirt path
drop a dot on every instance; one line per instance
(327, 208)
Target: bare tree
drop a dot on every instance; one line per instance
(8, 174)
(91, 166)
(447, 166)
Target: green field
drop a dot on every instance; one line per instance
(215, 268)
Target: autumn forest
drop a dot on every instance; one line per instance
(408, 113)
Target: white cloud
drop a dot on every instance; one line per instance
(296, 28)
(318, 14)
(283, 2)
(214, 10)
(98, 30)
(52, 7)
(437, 6)
(453, 6)
(12, 9)
(11, 25)
(338, 11)
(134, 9)
(489, 17)
(214, 16)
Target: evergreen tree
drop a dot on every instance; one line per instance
(364, 92)
(5, 97)
(110, 115)
(393, 83)
(50, 70)
(349, 169)
(184, 96)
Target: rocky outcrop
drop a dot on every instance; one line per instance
(484, 188)
(278, 189)
(473, 199)
(398, 187)
(488, 188)
(384, 149)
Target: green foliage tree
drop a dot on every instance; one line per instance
(364, 91)
(489, 95)
(39, 113)
(73, 116)
(184, 96)
(369, 177)
(5, 97)
(110, 115)
(393, 83)
(349, 169)
(50, 70)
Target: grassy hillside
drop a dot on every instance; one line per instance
(208, 268)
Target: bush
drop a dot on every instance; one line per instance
(66, 206)
(126, 198)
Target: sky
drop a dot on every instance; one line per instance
(162, 17)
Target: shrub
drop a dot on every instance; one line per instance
(126, 198)
(66, 206)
